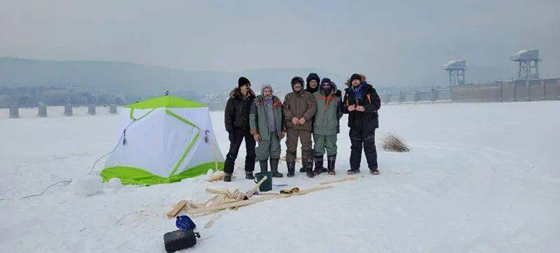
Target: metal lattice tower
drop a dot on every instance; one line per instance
(456, 71)
(528, 64)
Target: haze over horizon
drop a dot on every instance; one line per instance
(394, 43)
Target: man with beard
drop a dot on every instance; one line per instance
(237, 125)
(362, 103)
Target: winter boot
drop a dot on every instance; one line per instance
(227, 177)
(249, 175)
(331, 160)
(274, 168)
(353, 171)
(302, 169)
(264, 166)
(318, 165)
(374, 172)
(291, 168)
(309, 168)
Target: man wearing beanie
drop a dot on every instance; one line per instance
(237, 125)
(362, 103)
(267, 128)
(299, 109)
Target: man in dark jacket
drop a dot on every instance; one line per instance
(299, 109)
(362, 103)
(237, 125)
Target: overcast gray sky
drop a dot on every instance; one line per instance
(393, 42)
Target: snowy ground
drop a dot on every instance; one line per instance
(479, 178)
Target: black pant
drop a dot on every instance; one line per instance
(366, 140)
(235, 138)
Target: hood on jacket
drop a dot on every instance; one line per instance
(310, 77)
(349, 81)
(264, 86)
(295, 80)
(236, 93)
(338, 92)
(333, 86)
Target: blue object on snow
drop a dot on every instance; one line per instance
(185, 223)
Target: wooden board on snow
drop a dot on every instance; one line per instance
(176, 209)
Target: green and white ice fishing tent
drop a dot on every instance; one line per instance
(163, 140)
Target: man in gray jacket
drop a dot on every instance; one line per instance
(266, 123)
(326, 124)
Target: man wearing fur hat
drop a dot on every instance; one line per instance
(299, 109)
(237, 125)
(267, 128)
(326, 125)
(362, 103)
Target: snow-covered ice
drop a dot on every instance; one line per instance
(479, 178)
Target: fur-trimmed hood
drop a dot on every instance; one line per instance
(349, 82)
(236, 93)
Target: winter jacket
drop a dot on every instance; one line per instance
(299, 104)
(237, 110)
(259, 121)
(329, 112)
(368, 120)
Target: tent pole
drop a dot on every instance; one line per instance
(215, 155)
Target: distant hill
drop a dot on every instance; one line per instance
(125, 77)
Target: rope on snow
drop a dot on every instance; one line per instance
(122, 138)
(62, 181)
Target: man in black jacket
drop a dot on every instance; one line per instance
(362, 104)
(237, 125)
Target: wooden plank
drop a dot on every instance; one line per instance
(310, 190)
(236, 194)
(176, 209)
(267, 193)
(228, 194)
(210, 200)
(340, 180)
(240, 195)
(214, 191)
(211, 222)
(256, 188)
(195, 205)
(255, 200)
(231, 205)
(217, 176)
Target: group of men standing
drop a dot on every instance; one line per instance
(306, 113)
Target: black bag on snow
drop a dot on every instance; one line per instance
(179, 239)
